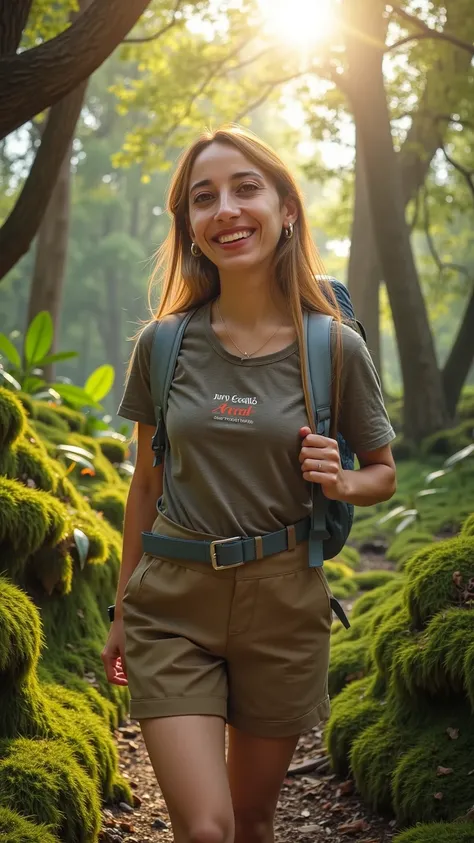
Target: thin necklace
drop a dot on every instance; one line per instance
(244, 355)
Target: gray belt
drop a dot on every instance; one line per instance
(227, 553)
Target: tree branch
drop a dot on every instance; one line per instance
(426, 32)
(13, 18)
(442, 265)
(466, 174)
(146, 39)
(33, 80)
(22, 224)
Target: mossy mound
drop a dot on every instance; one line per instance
(406, 729)
(111, 502)
(468, 526)
(406, 544)
(17, 829)
(115, 450)
(57, 710)
(340, 578)
(368, 580)
(432, 577)
(461, 832)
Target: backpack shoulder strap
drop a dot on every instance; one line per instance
(167, 341)
(317, 342)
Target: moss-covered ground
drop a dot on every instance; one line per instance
(60, 541)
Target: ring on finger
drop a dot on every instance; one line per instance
(319, 466)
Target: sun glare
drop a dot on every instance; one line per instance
(299, 22)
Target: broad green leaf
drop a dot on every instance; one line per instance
(39, 337)
(77, 458)
(392, 514)
(82, 544)
(459, 456)
(100, 382)
(61, 355)
(425, 492)
(73, 449)
(8, 350)
(9, 379)
(126, 467)
(75, 395)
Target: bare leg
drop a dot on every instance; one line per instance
(256, 770)
(188, 757)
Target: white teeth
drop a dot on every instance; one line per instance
(229, 238)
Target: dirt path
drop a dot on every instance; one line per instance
(314, 807)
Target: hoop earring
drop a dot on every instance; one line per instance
(195, 251)
(289, 231)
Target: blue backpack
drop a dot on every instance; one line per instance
(331, 521)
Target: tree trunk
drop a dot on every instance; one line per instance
(424, 406)
(34, 80)
(47, 283)
(440, 96)
(364, 273)
(21, 226)
(13, 18)
(461, 357)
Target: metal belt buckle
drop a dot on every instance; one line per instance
(213, 552)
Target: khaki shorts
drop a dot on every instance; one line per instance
(249, 644)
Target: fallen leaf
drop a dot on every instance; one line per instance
(444, 771)
(345, 788)
(438, 796)
(453, 733)
(354, 827)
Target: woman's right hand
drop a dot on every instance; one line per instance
(113, 654)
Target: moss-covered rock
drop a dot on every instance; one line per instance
(446, 442)
(433, 576)
(114, 450)
(353, 711)
(468, 526)
(17, 829)
(57, 710)
(111, 502)
(405, 544)
(368, 580)
(461, 832)
(349, 661)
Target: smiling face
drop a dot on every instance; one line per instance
(236, 216)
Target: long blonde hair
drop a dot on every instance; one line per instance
(188, 282)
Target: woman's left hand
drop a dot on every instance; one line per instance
(321, 463)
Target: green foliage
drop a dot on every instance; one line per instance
(349, 661)
(445, 442)
(113, 449)
(353, 711)
(468, 526)
(12, 419)
(375, 598)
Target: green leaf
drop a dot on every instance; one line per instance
(73, 449)
(410, 519)
(9, 379)
(75, 395)
(82, 544)
(48, 395)
(39, 337)
(61, 355)
(100, 382)
(392, 514)
(435, 475)
(8, 350)
(126, 468)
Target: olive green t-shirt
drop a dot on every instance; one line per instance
(233, 467)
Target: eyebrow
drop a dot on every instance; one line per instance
(241, 175)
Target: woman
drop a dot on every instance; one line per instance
(247, 645)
